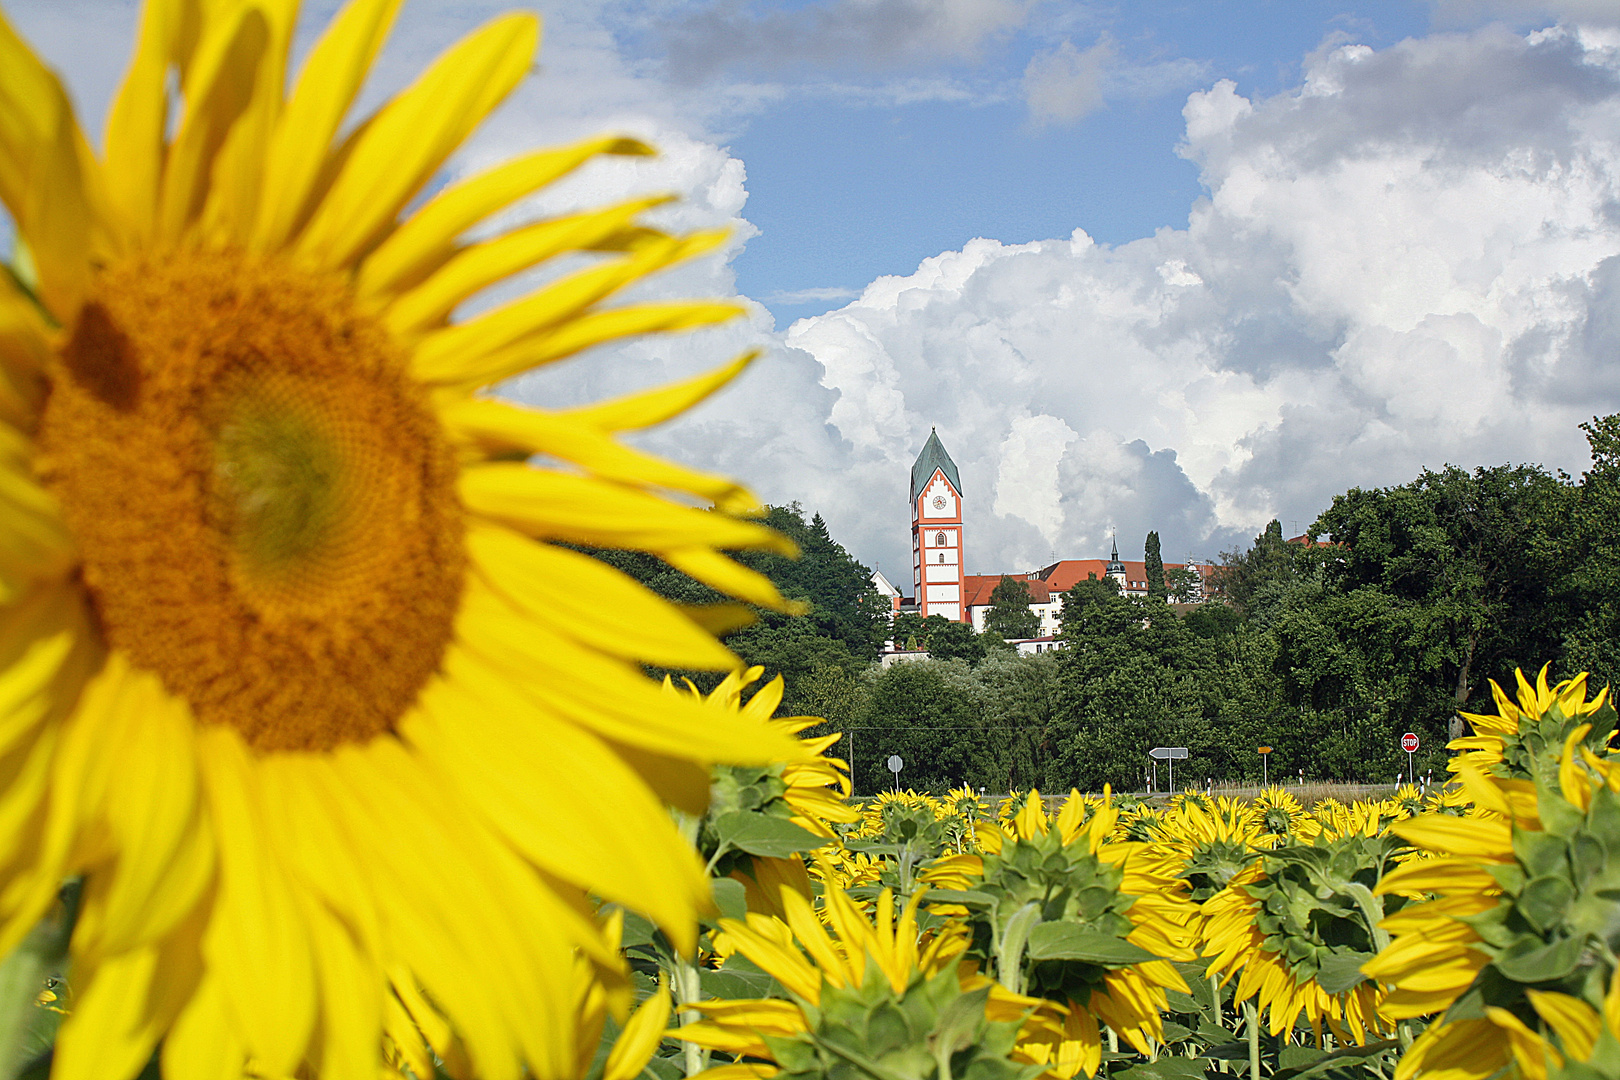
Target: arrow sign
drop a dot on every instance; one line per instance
(1172, 754)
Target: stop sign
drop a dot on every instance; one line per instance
(1409, 742)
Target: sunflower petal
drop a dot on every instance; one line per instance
(256, 944)
(552, 505)
(412, 136)
(203, 1044)
(502, 428)
(639, 1039)
(447, 355)
(478, 267)
(221, 85)
(593, 823)
(648, 407)
(239, 167)
(424, 242)
(592, 602)
(578, 334)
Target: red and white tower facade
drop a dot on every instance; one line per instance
(936, 533)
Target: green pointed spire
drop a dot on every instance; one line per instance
(933, 457)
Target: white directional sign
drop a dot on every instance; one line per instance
(1171, 754)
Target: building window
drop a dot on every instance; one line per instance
(942, 556)
(939, 539)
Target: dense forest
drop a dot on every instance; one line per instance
(1409, 601)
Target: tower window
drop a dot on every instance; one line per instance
(942, 556)
(939, 540)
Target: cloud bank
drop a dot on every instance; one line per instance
(1411, 259)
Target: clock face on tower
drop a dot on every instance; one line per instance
(939, 502)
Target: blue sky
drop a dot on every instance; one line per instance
(845, 191)
(1172, 266)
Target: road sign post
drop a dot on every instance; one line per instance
(1265, 771)
(1409, 743)
(895, 765)
(1170, 755)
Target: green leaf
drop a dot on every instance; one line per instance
(1181, 1003)
(761, 834)
(1337, 972)
(1329, 1065)
(1297, 1057)
(1166, 1068)
(1544, 964)
(968, 898)
(1544, 901)
(1066, 941)
(638, 930)
(731, 897)
(735, 984)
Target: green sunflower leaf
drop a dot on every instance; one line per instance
(1337, 972)
(761, 834)
(1066, 941)
(1544, 964)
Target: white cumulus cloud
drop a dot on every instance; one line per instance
(1412, 259)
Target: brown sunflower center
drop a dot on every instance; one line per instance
(264, 503)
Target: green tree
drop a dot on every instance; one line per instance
(942, 638)
(1154, 561)
(1472, 561)
(1132, 677)
(1009, 615)
(912, 710)
(1592, 590)
(1250, 580)
(1183, 584)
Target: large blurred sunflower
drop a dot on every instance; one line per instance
(291, 667)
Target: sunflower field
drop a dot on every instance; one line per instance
(1465, 933)
(327, 751)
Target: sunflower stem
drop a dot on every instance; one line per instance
(40, 955)
(689, 988)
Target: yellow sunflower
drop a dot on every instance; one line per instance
(1293, 929)
(876, 998)
(1523, 888)
(1279, 819)
(292, 667)
(1102, 919)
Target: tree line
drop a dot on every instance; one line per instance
(1397, 615)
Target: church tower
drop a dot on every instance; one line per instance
(936, 533)
(1116, 569)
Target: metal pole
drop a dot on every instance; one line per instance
(1172, 763)
(1265, 770)
(1409, 766)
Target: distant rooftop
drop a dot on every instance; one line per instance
(933, 457)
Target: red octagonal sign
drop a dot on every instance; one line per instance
(1409, 742)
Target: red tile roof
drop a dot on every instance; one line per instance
(1064, 575)
(980, 586)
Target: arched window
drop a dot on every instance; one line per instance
(939, 539)
(942, 556)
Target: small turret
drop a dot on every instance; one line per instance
(1116, 569)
